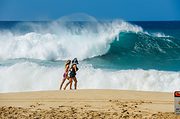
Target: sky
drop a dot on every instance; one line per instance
(131, 10)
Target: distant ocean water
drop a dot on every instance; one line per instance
(142, 55)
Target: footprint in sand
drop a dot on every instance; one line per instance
(32, 106)
(87, 105)
(61, 106)
(39, 104)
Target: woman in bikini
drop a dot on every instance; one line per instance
(72, 74)
(65, 75)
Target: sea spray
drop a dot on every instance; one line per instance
(64, 41)
(27, 76)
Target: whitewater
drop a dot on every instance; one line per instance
(58, 43)
(33, 77)
(112, 54)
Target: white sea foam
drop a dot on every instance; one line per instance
(33, 77)
(56, 41)
(158, 34)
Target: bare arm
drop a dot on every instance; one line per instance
(67, 68)
(75, 68)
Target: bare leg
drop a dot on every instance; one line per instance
(70, 82)
(75, 83)
(62, 83)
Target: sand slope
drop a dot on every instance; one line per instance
(87, 104)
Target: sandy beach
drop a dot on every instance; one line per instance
(87, 104)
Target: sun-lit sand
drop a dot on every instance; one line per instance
(87, 104)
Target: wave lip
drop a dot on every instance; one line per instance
(62, 40)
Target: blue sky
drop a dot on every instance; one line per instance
(132, 10)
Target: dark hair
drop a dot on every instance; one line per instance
(75, 61)
(67, 62)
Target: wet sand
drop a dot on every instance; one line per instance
(87, 104)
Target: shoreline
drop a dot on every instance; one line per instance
(88, 103)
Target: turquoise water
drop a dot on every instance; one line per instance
(139, 50)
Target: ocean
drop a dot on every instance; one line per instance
(116, 54)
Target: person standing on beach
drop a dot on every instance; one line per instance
(65, 75)
(72, 74)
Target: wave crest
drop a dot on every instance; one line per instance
(61, 40)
